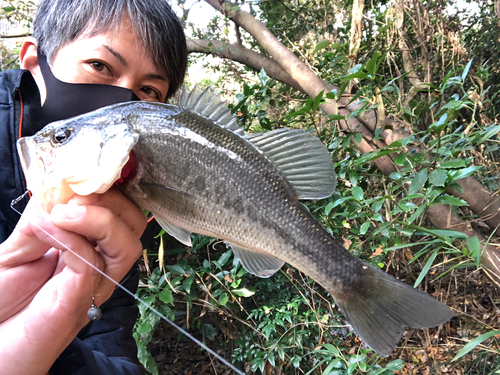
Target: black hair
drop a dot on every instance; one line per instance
(159, 30)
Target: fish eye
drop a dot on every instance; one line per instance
(61, 135)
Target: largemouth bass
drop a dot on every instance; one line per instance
(197, 171)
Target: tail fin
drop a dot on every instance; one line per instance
(379, 317)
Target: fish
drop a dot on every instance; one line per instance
(197, 171)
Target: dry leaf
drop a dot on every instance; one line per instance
(377, 252)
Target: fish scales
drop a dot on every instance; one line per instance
(243, 197)
(205, 176)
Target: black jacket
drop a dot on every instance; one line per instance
(103, 347)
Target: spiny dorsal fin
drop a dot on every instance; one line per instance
(205, 103)
(301, 157)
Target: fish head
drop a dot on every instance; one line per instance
(71, 157)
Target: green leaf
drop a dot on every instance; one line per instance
(321, 45)
(186, 284)
(353, 177)
(471, 345)
(490, 133)
(358, 137)
(438, 177)
(178, 270)
(144, 327)
(462, 173)
(452, 201)
(364, 228)
(474, 249)
(268, 329)
(407, 206)
(357, 193)
(426, 268)
(466, 70)
(335, 117)
(395, 176)
(418, 181)
(331, 348)
(244, 292)
(272, 361)
(455, 163)
(317, 101)
(223, 299)
(166, 296)
(372, 155)
(263, 77)
(209, 331)
(377, 205)
(373, 64)
(439, 125)
(225, 257)
(400, 159)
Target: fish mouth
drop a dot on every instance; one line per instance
(31, 162)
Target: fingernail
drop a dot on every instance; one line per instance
(68, 211)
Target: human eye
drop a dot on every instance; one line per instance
(148, 93)
(100, 67)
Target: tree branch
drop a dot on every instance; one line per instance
(243, 55)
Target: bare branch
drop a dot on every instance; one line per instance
(245, 56)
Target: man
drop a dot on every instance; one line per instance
(85, 54)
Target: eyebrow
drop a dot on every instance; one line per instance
(123, 61)
(119, 57)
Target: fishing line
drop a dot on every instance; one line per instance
(151, 308)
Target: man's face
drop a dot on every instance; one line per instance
(112, 58)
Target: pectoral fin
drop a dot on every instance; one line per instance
(258, 264)
(178, 233)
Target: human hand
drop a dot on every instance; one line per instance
(45, 290)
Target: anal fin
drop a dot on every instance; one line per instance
(257, 263)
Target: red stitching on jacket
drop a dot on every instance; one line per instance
(22, 113)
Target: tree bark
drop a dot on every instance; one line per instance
(480, 200)
(440, 215)
(358, 7)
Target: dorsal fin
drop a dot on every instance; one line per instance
(302, 158)
(205, 103)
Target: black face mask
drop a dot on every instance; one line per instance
(66, 100)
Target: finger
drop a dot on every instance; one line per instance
(119, 246)
(120, 205)
(23, 246)
(76, 252)
(18, 285)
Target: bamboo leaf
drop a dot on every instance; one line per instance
(426, 268)
(471, 345)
